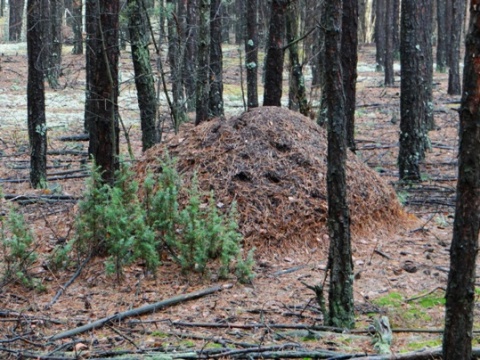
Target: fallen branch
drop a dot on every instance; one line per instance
(139, 311)
(68, 283)
(80, 137)
(41, 198)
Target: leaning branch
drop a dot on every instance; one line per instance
(139, 311)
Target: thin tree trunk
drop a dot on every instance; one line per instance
(91, 20)
(77, 27)
(349, 56)
(202, 83)
(458, 12)
(380, 41)
(144, 81)
(441, 36)
(460, 296)
(297, 99)
(275, 54)
(57, 9)
(389, 44)
(37, 129)
(15, 20)
(251, 53)
(191, 53)
(216, 58)
(340, 265)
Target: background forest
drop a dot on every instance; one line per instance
(233, 179)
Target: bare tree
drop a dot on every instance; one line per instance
(340, 264)
(458, 13)
(15, 19)
(54, 71)
(37, 129)
(251, 53)
(460, 296)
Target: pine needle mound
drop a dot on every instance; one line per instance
(273, 163)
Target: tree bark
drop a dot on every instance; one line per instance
(202, 83)
(458, 12)
(37, 129)
(104, 131)
(175, 51)
(297, 97)
(275, 54)
(216, 59)
(57, 10)
(349, 54)
(251, 53)
(144, 81)
(460, 296)
(91, 23)
(442, 33)
(414, 89)
(340, 265)
(191, 53)
(380, 40)
(77, 27)
(389, 44)
(15, 20)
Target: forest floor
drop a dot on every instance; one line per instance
(401, 274)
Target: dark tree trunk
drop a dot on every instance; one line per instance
(202, 83)
(176, 60)
(239, 21)
(104, 129)
(349, 56)
(297, 97)
(460, 296)
(225, 24)
(340, 265)
(441, 36)
(380, 36)
(91, 23)
(45, 24)
(428, 63)
(251, 53)
(274, 57)
(216, 58)
(414, 89)
(55, 56)
(144, 81)
(191, 53)
(322, 111)
(37, 129)
(77, 27)
(458, 12)
(15, 20)
(396, 29)
(389, 44)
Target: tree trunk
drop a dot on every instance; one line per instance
(458, 12)
(77, 27)
(191, 53)
(380, 40)
(414, 86)
(57, 10)
(144, 81)
(428, 63)
(349, 56)
(37, 129)
(175, 58)
(441, 36)
(274, 57)
(340, 265)
(460, 296)
(251, 53)
(202, 83)
(389, 44)
(15, 20)
(239, 21)
(297, 97)
(91, 22)
(216, 58)
(104, 129)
